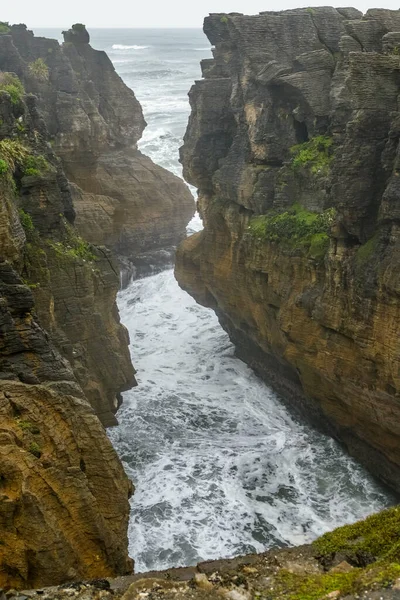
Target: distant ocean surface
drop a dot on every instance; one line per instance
(221, 468)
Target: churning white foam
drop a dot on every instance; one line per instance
(220, 465)
(123, 47)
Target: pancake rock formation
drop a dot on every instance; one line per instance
(293, 143)
(63, 492)
(121, 198)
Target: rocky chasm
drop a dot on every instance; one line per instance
(68, 132)
(293, 142)
(64, 357)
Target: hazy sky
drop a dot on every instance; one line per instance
(148, 13)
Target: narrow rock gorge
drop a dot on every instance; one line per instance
(70, 177)
(293, 143)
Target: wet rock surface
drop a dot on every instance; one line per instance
(293, 144)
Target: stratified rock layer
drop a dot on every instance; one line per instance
(121, 198)
(297, 116)
(63, 492)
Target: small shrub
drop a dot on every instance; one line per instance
(13, 152)
(4, 27)
(35, 165)
(3, 167)
(28, 426)
(11, 84)
(296, 228)
(39, 70)
(315, 155)
(34, 449)
(26, 220)
(224, 19)
(73, 246)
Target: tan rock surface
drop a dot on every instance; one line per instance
(318, 317)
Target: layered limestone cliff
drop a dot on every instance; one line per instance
(63, 492)
(293, 142)
(121, 198)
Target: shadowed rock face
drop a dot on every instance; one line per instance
(63, 492)
(121, 198)
(293, 142)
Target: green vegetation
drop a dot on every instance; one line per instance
(26, 221)
(297, 229)
(4, 27)
(377, 536)
(39, 69)
(35, 165)
(315, 155)
(3, 167)
(11, 84)
(34, 449)
(365, 251)
(28, 426)
(13, 152)
(372, 546)
(315, 587)
(310, 10)
(224, 19)
(73, 247)
(79, 27)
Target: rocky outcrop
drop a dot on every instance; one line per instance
(121, 198)
(63, 492)
(293, 142)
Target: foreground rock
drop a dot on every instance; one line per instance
(121, 198)
(356, 561)
(63, 492)
(293, 142)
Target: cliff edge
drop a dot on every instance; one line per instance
(293, 143)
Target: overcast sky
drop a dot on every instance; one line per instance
(147, 13)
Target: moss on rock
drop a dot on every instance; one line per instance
(297, 229)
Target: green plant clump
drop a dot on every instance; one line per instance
(377, 536)
(315, 587)
(35, 165)
(13, 152)
(79, 26)
(26, 221)
(315, 155)
(3, 167)
(28, 426)
(73, 247)
(4, 27)
(11, 84)
(39, 69)
(224, 19)
(297, 229)
(34, 449)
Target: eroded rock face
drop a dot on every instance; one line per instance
(122, 199)
(297, 115)
(63, 492)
